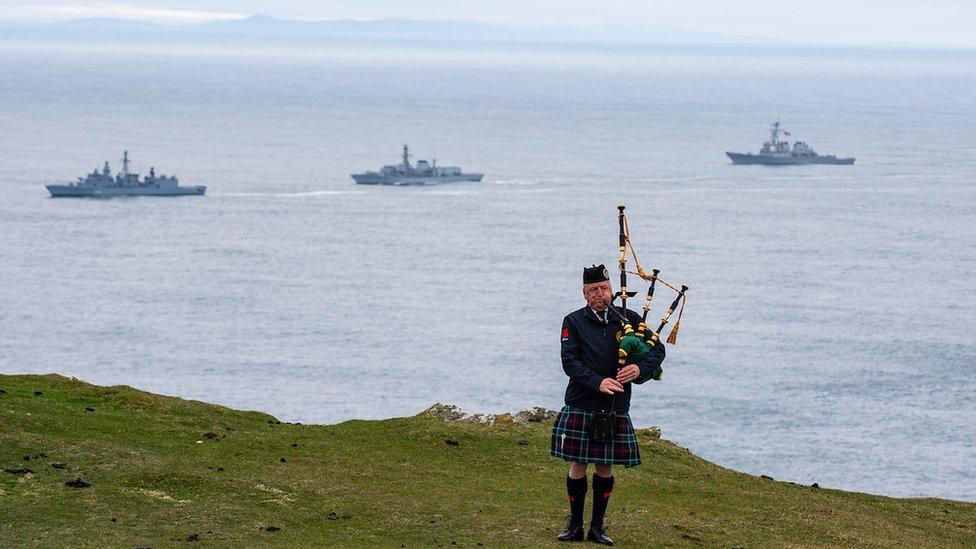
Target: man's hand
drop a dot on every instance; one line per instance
(611, 386)
(628, 373)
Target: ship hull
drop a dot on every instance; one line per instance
(770, 160)
(377, 179)
(74, 191)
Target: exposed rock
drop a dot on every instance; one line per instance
(59, 465)
(536, 414)
(272, 528)
(210, 435)
(282, 460)
(650, 433)
(193, 537)
(78, 483)
(38, 393)
(89, 409)
(451, 442)
(447, 412)
(766, 477)
(815, 485)
(523, 442)
(450, 412)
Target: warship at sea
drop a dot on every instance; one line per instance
(104, 185)
(424, 173)
(779, 153)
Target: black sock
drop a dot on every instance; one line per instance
(602, 488)
(576, 489)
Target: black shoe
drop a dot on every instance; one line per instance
(572, 532)
(599, 535)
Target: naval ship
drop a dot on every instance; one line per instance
(423, 173)
(778, 153)
(103, 185)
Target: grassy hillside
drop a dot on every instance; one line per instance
(166, 471)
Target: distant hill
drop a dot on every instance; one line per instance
(263, 26)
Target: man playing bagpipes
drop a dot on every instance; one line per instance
(605, 350)
(594, 426)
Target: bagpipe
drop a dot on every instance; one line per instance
(636, 343)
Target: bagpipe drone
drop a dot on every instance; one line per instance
(636, 343)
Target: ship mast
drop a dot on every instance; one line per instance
(406, 157)
(125, 166)
(774, 133)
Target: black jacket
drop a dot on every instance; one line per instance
(589, 354)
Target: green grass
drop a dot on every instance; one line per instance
(157, 481)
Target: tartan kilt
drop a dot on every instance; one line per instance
(571, 442)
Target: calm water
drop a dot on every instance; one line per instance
(828, 335)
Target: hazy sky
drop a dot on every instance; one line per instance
(932, 22)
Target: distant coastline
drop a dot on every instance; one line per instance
(273, 31)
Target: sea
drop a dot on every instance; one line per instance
(828, 333)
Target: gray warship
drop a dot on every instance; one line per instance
(779, 153)
(423, 173)
(104, 185)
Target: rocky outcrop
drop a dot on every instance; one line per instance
(651, 433)
(536, 414)
(450, 412)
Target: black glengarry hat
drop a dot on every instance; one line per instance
(596, 273)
